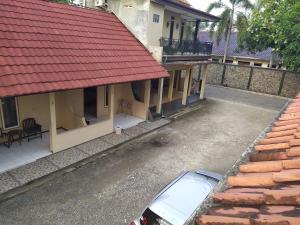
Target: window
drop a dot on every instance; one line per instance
(155, 18)
(243, 63)
(257, 64)
(9, 112)
(106, 96)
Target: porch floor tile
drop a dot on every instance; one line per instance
(115, 139)
(7, 182)
(32, 171)
(94, 146)
(19, 155)
(126, 121)
(67, 157)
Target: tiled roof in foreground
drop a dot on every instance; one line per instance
(46, 46)
(267, 189)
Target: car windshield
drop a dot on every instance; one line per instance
(150, 218)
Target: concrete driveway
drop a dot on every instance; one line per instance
(114, 189)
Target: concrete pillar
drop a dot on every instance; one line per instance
(52, 128)
(160, 94)
(147, 96)
(111, 101)
(185, 87)
(178, 77)
(204, 77)
(190, 82)
(171, 86)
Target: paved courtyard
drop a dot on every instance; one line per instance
(114, 189)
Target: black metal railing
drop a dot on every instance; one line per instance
(175, 46)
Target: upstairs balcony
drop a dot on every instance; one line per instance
(185, 47)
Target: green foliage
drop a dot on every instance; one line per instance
(188, 30)
(230, 18)
(275, 24)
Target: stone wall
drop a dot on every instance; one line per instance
(263, 80)
(236, 76)
(214, 72)
(290, 85)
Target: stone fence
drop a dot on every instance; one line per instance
(264, 80)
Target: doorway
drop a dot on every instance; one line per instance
(90, 103)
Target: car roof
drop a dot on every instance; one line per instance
(177, 202)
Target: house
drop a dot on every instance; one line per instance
(74, 71)
(163, 26)
(236, 56)
(266, 189)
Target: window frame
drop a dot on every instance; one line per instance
(156, 18)
(2, 115)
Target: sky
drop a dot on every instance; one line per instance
(203, 4)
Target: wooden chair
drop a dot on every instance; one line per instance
(31, 129)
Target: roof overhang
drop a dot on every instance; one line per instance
(186, 11)
(183, 65)
(242, 57)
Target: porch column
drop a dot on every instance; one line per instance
(171, 86)
(190, 82)
(160, 94)
(197, 25)
(204, 77)
(52, 128)
(178, 78)
(185, 87)
(111, 101)
(147, 96)
(196, 30)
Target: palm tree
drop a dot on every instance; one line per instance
(230, 18)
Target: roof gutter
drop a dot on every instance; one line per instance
(181, 6)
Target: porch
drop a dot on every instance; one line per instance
(82, 115)
(26, 152)
(185, 47)
(185, 85)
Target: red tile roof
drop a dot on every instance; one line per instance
(46, 46)
(267, 189)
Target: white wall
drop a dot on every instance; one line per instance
(177, 21)
(134, 14)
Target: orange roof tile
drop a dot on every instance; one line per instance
(267, 189)
(47, 46)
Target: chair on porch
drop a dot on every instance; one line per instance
(31, 129)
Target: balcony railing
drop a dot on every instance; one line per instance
(175, 46)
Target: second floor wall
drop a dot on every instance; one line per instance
(150, 21)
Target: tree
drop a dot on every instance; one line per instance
(275, 24)
(228, 17)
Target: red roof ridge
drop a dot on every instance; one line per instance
(271, 177)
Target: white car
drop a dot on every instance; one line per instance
(178, 201)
